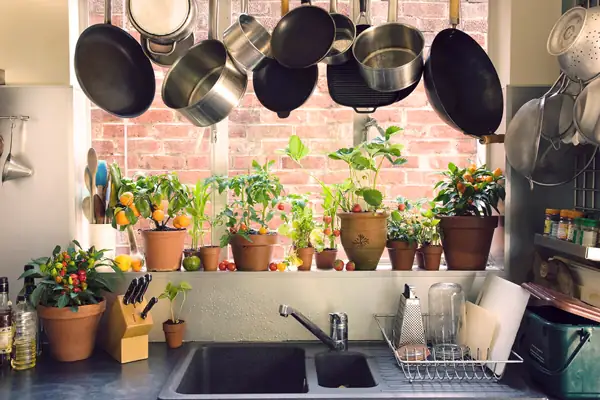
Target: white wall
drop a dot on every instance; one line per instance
(34, 49)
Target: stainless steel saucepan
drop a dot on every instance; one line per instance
(345, 33)
(390, 56)
(248, 42)
(205, 85)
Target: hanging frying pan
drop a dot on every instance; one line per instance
(282, 89)
(303, 37)
(112, 70)
(348, 88)
(462, 84)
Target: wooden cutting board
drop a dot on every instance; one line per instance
(479, 330)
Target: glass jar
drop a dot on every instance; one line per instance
(589, 232)
(446, 307)
(573, 226)
(563, 225)
(552, 216)
(575, 231)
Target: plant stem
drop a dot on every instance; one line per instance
(377, 173)
(182, 301)
(172, 313)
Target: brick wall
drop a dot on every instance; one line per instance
(161, 140)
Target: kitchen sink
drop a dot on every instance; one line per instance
(343, 369)
(245, 369)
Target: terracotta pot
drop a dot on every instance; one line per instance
(306, 255)
(467, 241)
(253, 255)
(209, 255)
(71, 335)
(164, 249)
(325, 259)
(432, 256)
(174, 333)
(402, 254)
(363, 237)
(420, 259)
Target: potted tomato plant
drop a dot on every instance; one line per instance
(160, 199)
(69, 298)
(203, 224)
(363, 217)
(299, 225)
(468, 197)
(403, 232)
(174, 327)
(327, 252)
(256, 200)
(430, 251)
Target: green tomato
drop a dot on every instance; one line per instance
(58, 265)
(54, 272)
(191, 263)
(71, 263)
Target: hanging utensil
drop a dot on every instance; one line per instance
(390, 56)
(247, 40)
(586, 113)
(348, 88)
(282, 89)
(166, 27)
(461, 82)
(557, 116)
(14, 168)
(575, 41)
(345, 33)
(92, 166)
(205, 85)
(112, 70)
(86, 206)
(107, 207)
(99, 210)
(303, 37)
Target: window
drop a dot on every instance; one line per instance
(161, 140)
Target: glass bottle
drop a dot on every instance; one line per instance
(563, 225)
(551, 219)
(25, 318)
(6, 328)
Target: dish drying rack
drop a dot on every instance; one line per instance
(435, 368)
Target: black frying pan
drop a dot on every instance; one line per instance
(112, 69)
(461, 82)
(348, 88)
(282, 89)
(303, 37)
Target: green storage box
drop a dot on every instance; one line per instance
(562, 352)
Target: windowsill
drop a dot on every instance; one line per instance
(383, 270)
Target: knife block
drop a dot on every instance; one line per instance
(127, 332)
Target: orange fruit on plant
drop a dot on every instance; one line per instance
(158, 215)
(497, 172)
(468, 177)
(121, 218)
(472, 168)
(461, 187)
(135, 210)
(489, 179)
(184, 221)
(126, 199)
(262, 231)
(136, 264)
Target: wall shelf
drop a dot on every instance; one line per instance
(568, 248)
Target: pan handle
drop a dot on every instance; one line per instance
(365, 110)
(333, 6)
(306, 2)
(363, 17)
(489, 139)
(454, 13)
(285, 7)
(213, 19)
(392, 11)
(148, 43)
(245, 7)
(108, 12)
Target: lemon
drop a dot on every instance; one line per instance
(123, 261)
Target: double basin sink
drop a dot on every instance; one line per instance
(214, 370)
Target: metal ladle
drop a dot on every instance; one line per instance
(13, 167)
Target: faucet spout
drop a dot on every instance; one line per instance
(285, 311)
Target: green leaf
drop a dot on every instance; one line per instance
(391, 131)
(37, 294)
(297, 149)
(34, 273)
(63, 301)
(452, 167)
(396, 216)
(373, 197)
(56, 251)
(185, 285)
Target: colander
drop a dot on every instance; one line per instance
(575, 41)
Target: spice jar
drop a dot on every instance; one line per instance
(563, 224)
(575, 231)
(589, 232)
(552, 217)
(573, 226)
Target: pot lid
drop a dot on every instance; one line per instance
(562, 301)
(159, 17)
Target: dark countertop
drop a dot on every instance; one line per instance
(101, 377)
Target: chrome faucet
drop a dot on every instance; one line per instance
(338, 322)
